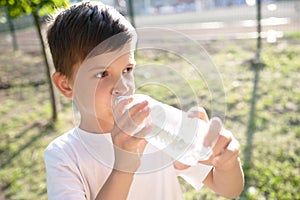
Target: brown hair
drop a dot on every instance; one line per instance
(77, 30)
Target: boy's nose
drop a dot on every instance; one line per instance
(122, 87)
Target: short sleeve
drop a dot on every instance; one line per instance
(62, 180)
(195, 175)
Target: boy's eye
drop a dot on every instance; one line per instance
(102, 74)
(127, 70)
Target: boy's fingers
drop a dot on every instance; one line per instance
(225, 151)
(137, 120)
(228, 154)
(214, 129)
(144, 132)
(120, 105)
(137, 108)
(132, 118)
(224, 139)
(198, 112)
(228, 158)
(141, 116)
(180, 166)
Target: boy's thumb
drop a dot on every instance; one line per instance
(214, 129)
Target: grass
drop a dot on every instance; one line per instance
(270, 146)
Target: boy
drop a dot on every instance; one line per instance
(92, 49)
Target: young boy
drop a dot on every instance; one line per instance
(92, 48)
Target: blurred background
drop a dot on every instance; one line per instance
(201, 19)
(255, 44)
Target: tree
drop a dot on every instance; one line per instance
(38, 9)
(11, 30)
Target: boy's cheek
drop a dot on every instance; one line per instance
(84, 93)
(131, 86)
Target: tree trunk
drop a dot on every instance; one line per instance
(51, 89)
(131, 12)
(258, 18)
(12, 30)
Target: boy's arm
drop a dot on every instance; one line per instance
(226, 178)
(116, 187)
(227, 183)
(127, 161)
(128, 151)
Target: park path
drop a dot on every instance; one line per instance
(2, 197)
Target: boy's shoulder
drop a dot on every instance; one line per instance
(63, 142)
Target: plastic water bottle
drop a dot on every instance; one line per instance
(186, 139)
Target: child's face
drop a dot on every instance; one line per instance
(99, 81)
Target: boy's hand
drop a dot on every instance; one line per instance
(195, 112)
(128, 148)
(226, 149)
(225, 154)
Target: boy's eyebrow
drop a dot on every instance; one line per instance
(97, 67)
(100, 67)
(131, 64)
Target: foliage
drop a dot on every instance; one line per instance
(17, 8)
(295, 35)
(37, 8)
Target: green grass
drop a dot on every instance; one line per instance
(270, 146)
(295, 35)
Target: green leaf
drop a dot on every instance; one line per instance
(17, 8)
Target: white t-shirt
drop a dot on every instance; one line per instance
(78, 163)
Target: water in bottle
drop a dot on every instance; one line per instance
(186, 139)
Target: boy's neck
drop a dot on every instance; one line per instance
(94, 125)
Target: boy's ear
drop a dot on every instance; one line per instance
(63, 85)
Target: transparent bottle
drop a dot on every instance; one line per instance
(186, 139)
